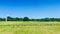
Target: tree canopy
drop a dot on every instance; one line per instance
(27, 19)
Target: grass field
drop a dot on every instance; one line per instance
(29, 27)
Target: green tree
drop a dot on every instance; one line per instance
(25, 19)
(10, 18)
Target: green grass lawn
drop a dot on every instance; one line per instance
(29, 27)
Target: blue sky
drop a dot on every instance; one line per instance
(30, 8)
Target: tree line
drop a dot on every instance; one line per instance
(27, 19)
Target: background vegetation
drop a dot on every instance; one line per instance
(27, 19)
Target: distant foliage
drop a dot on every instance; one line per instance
(27, 19)
(2, 19)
